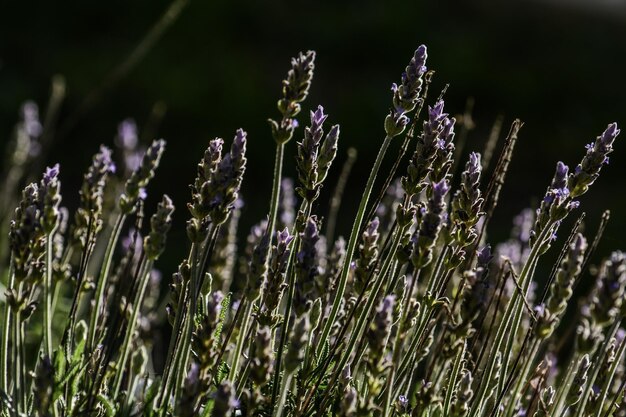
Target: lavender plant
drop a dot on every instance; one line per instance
(412, 315)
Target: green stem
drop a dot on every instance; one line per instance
(184, 347)
(306, 208)
(521, 379)
(18, 376)
(6, 335)
(399, 341)
(563, 387)
(102, 280)
(241, 340)
(416, 340)
(172, 353)
(596, 366)
(354, 237)
(510, 320)
(607, 384)
(284, 389)
(456, 370)
(144, 275)
(364, 317)
(278, 169)
(47, 295)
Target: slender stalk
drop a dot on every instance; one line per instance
(6, 335)
(363, 319)
(172, 352)
(18, 374)
(306, 208)
(275, 201)
(284, 389)
(605, 390)
(510, 320)
(321, 369)
(335, 201)
(596, 365)
(241, 340)
(398, 343)
(416, 342)
(144, 275)
(47, 295)
(354, 237)
(102, 280)
(563, 388)
(182, 349)
(521, 379)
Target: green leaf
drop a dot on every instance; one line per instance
(107, 405)
(222, 372)
(220, 323)
(150, 395)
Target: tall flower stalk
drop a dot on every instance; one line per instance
(417, 314)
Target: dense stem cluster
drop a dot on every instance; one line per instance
(413, 315)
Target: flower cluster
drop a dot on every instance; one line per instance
(413, 315)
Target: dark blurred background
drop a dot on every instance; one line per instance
(557, 65)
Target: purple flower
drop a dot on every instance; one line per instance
(127, 134)
(435, 113)
(406, 95)
(51, 174)
(596, 156)
(30, 119)
(484, 255)
(560, 176)
(440, 190)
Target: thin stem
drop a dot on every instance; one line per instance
(6, 335)
(363, 319)
(241, 340)
(399, 341)
(182, 348)
(284, 389)
(102, 279)
(510, 320)
(47, 295)
(18, 375)
(172, 352)
(275, 201)
(290, 294)
(564, 386)
(606, 388)
(354, 237)
(596, 366)
(336, 200)
(144, 275)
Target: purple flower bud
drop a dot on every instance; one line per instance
(372, 228)
(560, 176)
(127, 134)
(440, 189)
(608, 136)
(318, 118)
(484, 255)
(283, 237)
(474, 167)
(238, 149)
(597, 155)
(51, 174)
(447, 134)
(104, 161)
(30, 118)
(435, 113)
